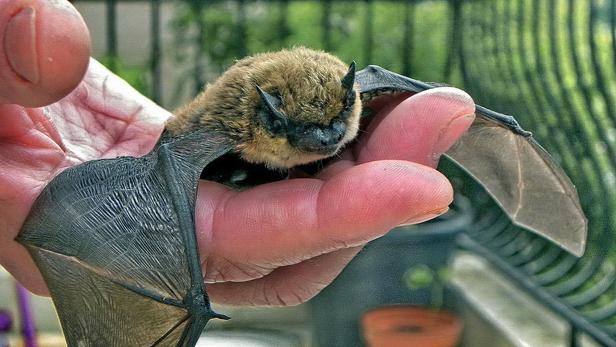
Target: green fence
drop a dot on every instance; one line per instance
(551, 64)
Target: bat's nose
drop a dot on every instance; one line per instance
(322, 139)
(331, 135)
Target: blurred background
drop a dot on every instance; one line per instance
(169, 49)
(550, 63)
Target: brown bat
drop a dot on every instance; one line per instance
(115, 239)
(280, 110)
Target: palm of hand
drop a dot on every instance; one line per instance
(102, 118)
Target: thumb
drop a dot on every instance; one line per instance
(44, 51)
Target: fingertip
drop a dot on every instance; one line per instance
(384, 193)
(456, 96)
(420, 128)
(44, 51)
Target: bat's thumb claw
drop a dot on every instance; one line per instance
(220, 316)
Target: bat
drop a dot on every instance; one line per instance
(281, 110)
(115, 238)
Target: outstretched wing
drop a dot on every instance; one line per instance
(512, 167)
(115, 241)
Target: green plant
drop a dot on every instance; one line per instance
(216, 34)
(135, 75)
(422, 276)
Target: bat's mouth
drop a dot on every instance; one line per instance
(325, 151)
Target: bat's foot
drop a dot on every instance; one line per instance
(199, 307)
(234, 172)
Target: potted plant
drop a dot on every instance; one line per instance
(413, 325)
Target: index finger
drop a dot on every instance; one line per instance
(283, 223)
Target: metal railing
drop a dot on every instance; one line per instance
(200, 71)
(550, 63)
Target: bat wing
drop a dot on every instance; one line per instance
(512, 167)
(115, 242)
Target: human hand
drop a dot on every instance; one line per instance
(275, 244)
(47, 47)
(281, 243)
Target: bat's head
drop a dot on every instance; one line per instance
(304, 106)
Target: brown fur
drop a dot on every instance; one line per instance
(308, 83)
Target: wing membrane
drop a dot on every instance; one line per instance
(511, 166)
(115, 241)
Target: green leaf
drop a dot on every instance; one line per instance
(420, 276)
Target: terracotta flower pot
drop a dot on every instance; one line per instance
(410, 326)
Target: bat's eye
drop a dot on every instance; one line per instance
(270, 117)
(277, 127)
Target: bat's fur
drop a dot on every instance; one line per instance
(307, 82)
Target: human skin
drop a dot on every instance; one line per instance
(275, 244)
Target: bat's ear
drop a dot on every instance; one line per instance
(349, 79)
(273, 120)
(271, 102)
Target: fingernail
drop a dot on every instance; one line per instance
(451, 133)
(426, 216)
(62, 5)
(20, 45)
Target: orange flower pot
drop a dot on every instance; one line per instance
(410, 326)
